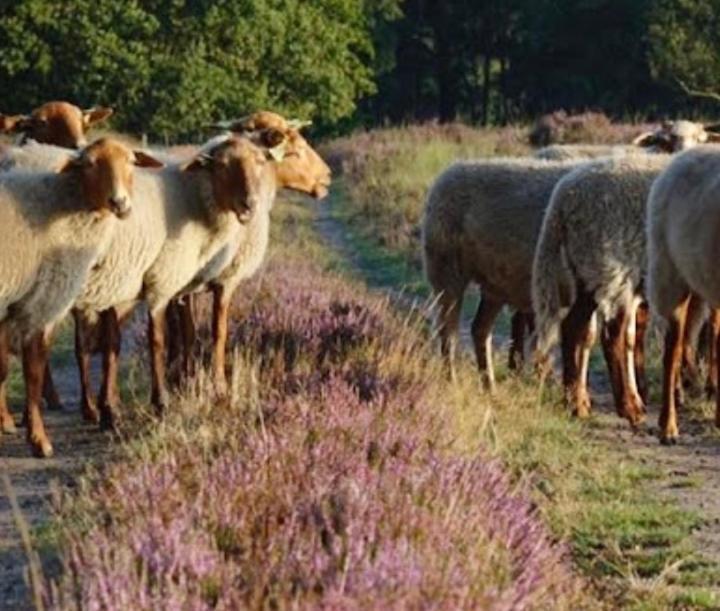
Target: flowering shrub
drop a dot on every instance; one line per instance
(333, 485)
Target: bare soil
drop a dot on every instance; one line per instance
(76, 444)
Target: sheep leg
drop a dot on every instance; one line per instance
(619, 355)
(629, 372)
(690, 369)
(109, 395)
(642, 319)
(34, 358)
(156, 339)
(50, 393)
(715, 352)
(711, 384)
(516, 356)
(577, 337)
(672, 359)
(175, 343)
(83, 354)
(221, 307)
(449, 306)
(7, 422)
(482, 339)
(187, 324)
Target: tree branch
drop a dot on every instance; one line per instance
(695, 93)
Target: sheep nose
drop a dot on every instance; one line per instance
(120, 206)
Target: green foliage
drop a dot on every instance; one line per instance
(685, 42)
(170, 67)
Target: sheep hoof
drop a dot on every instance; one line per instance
(668, 440)
(41, 447)
(90, 414)
(107, 422)
(8, 426)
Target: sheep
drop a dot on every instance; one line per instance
(56, 226)
(567, 152)
(683, 209)
(46, 133)
(481, 222)
(303, 170)
(671, 136)
(59, 123)
(202, 205)
(590, 256)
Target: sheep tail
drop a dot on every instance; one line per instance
(553, 285)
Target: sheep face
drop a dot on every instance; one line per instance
(105, 170)
(675, 136)
(301, 169)
(58, 123)
(236, 167)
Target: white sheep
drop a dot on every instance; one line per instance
(55, 227)
(683, 212)
(59, 123)
(671, 136)
(202, 207)
(302, 170)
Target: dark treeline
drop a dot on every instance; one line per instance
(497, 61)
(170, 66)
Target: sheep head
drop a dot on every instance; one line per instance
(237, 167)
(105, 170)
(674, 136)
(58, 123)
(301, 169)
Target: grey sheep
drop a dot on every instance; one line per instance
(683, 212)
(481, 223)
(591, 257)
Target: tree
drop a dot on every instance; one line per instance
(169, 67)
(684, 38)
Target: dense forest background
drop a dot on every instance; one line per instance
(170, 66)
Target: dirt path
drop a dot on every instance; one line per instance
(75, 445)
(690, 470)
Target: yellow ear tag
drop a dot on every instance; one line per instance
(278, 152)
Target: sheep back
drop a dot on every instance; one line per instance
(683, 229)
(50, 242)
(198, 237)
(593, 236)
(481, 223)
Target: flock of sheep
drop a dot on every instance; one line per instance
(573, 233)
(582, 231)
(97, 228)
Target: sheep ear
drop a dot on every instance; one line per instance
(95, 115)
(74, 162)
(143, 160)
(201, 162)
(274, 142)
(298, 124)
(10, 124)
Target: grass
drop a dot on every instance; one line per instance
(387, 172)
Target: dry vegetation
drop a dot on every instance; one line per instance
(386, 173)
